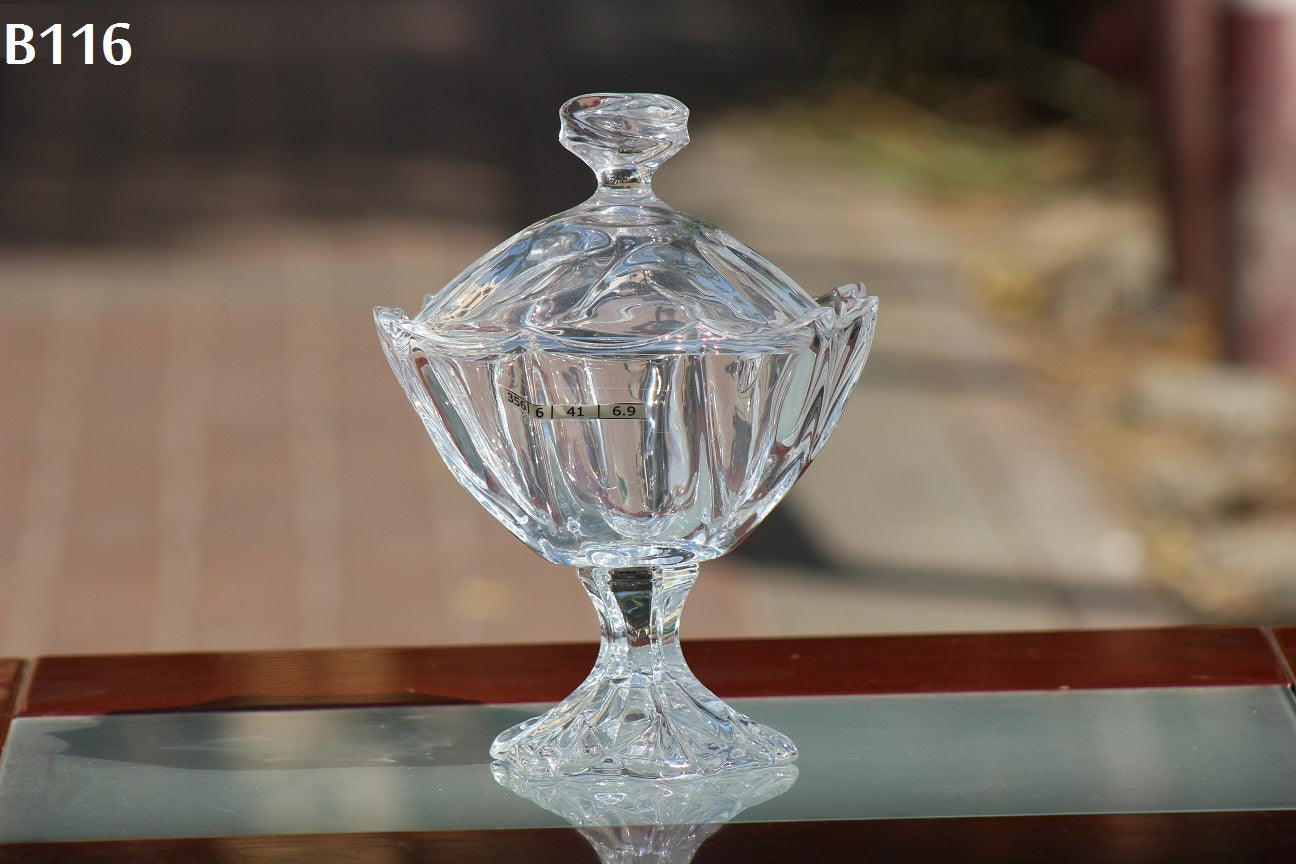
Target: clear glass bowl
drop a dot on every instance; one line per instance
(630, 390)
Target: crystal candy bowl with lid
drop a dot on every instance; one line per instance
(630, 390)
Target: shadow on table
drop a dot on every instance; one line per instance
(280, 740)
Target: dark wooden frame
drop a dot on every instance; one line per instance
(942, 663)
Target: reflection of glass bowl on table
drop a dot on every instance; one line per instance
(630, 391)
(639, 819)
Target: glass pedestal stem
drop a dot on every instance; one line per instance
(640, 712)
(639, 612)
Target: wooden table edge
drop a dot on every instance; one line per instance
(1284, 643)
(1234, 836)
(810, 666)
(12, 672)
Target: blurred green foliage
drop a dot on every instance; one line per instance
(972, 95)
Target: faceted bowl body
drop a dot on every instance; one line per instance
(711, 435)
(623, 384)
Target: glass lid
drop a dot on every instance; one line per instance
(624, 271)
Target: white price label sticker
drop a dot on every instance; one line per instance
(604, 411)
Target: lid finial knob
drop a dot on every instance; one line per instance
(623, 137)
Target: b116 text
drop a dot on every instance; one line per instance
(24, 45)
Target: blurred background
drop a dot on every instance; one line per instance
(1080, 218)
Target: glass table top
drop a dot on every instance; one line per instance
(243, 773)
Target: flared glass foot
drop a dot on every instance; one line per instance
(641, 712)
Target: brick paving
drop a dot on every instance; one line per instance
(202, 448)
